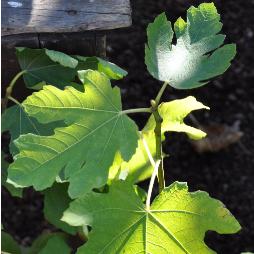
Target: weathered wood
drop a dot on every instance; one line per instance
(59, 16)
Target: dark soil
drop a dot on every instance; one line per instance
(227, 175)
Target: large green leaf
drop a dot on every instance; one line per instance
(96, 63)
(191, 62)
(44, 66)
(50, 66)
(175, 223)
(56, 201)
(85, 149)
(15, 192)
(18, 122)
(9, 245)
(173, 113)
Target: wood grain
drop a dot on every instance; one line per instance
(59, 16)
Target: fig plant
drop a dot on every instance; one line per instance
(79, 147)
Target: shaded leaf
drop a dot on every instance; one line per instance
(8, 244)
(96, 63)
(15, 192)
(18, 122)
(56, 201)
(50, 66)
(176, 221)
(85, 149)
(56, 244)
(40, 242)
(197, 55)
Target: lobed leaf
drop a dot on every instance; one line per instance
(198, 54)
(83, 150)
(173, 113)
(175, 223)
(44, 66)
(50, 66)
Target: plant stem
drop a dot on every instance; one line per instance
(157, 131)
(10, 88)
(150, 188)
(15, 101)
(158, 155)
(136, 110)
(158, 97)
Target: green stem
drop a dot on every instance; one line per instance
(136, 110)
(10, 88)
(158, 154)
(158, 97)
(157, 132)
(15, 101)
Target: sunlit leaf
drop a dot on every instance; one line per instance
(85, 149)
(173, 113)
(175, 223)
(197, 55)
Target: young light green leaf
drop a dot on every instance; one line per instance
(52, 67)
(56, 201)
(15, 192)
(85, 149)
(56, 244)
(197, 56)
(96, 63)
(176, 221)
(173, 113)
(18, 122)
(9, 245)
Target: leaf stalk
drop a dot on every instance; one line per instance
(136, 110)
(9, 89)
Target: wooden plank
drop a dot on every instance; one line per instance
(39, 16)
